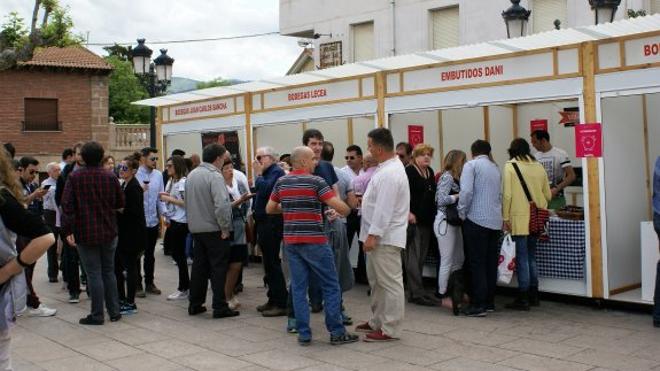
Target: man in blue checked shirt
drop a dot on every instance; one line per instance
(480, 206)
(152, 183)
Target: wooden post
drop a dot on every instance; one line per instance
(593, 171)
(441, 138)
(247, 104)
(514, 113)
(380, 96)
(486, 123)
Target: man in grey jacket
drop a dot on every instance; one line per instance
(208, 210)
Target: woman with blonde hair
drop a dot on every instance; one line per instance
(447, 226)
(15, 219)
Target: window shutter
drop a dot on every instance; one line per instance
(655, 6)
(363, 42)
(444, 28)
(41, 114)
(544, 13)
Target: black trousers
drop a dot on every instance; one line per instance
(126, 260)
(71, 267)
(175, 243)
(481, 257)
(269, 236)
(149, 258)
(353, 231)
(53, 263)
(210, 261)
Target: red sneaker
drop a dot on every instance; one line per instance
(378, 337)
(364, 327)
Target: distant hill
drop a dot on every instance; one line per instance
(183, 84)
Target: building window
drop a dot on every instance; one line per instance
(444, 28)
(41, 115)
(363, 41)
(545, 12)
(655, 6)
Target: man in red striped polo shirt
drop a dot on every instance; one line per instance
(299, 196)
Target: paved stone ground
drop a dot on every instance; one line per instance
(163, 337)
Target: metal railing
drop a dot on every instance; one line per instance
(42, 125)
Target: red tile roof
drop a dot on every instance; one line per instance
(68, 57)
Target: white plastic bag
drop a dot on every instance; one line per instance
(507, 261)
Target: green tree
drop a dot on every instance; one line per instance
(219, 81)
(124, 88)
(13, 33)
(57, 29)
(119, 51)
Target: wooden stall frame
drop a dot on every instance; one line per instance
(622, 53)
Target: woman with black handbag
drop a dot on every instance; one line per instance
(526, 190)
(447, 228)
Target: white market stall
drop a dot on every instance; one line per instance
(608, 73)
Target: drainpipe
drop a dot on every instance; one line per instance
(392, 8)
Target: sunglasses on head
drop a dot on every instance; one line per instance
(350, 157)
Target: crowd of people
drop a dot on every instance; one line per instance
(99, 220)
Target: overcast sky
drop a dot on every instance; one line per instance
(126, 20)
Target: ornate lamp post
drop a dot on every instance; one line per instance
(155, 76)
(516, 18)
(604, 9)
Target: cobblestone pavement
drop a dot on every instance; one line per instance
(163, 337)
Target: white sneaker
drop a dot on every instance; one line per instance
(42, 311)
(233, 303)
(189, 261)
(178, 295)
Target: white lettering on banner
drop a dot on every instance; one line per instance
(642, 51)
(514, 68)
(199, 110)
(348, 89)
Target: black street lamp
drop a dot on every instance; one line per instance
(604, 9)
(155, 76)
(516, 18)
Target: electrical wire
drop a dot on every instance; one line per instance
(189, 40)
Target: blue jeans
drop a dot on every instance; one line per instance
(656, 298)
(317, 260)
(528, 274)
(99, 263)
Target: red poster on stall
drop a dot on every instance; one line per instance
(539, 124)
(588, 140)
(415, 135)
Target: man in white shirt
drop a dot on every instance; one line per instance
(556, 163)
(151, 181)
(52, 216)
(385, 208)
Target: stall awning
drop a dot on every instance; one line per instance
(555, 38)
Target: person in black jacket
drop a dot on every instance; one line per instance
(132, 234)
(70, 259)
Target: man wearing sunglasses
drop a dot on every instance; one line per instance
(152, 183)
(269, 232)
(34, 199)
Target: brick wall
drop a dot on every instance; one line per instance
(82, 109)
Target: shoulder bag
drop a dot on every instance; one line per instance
(538, 218)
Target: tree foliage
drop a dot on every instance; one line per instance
(17, 43)
(219, 81)
(124, 88)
